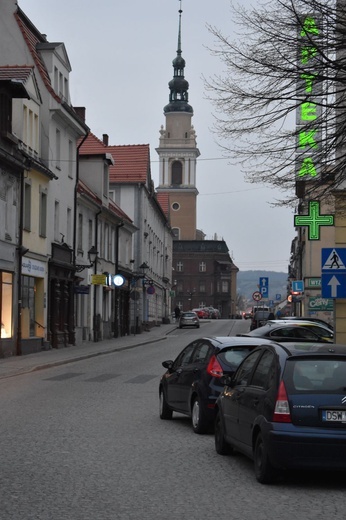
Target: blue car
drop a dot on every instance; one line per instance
(285, 408)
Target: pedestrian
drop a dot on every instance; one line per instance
(177, 313)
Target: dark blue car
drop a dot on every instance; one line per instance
(285, 408)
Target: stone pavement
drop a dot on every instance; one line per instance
(17, 365)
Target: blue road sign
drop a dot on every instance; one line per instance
(278, 297)
(334, 285)
(298, 286)
(334, 259)
(264, 286)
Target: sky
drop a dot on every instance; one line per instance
(121, 57)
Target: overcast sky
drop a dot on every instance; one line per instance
(121, 55)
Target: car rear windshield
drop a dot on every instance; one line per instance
(233, 357)
(261, 315)
(327, 375)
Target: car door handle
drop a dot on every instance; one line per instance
(196, 369)
(179, 371)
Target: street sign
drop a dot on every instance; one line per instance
(334, 259)
(264, 286)
(298, 286)
(334, 285)
(313, 220)
(257, 296)
(314, 283)
(278, 297)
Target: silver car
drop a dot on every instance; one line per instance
(188, 319)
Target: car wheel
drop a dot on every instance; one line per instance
(197, 326)
(199, 420)
(165, 411)
(221, 446)
(264, 471)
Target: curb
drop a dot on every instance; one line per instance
(80, 357)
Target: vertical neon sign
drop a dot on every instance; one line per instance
(308, 113)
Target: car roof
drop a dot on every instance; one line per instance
(234, 341)
(310, 349)
(301, 322)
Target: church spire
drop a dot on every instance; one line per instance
(178, 86)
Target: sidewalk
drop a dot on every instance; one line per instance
(17, 365)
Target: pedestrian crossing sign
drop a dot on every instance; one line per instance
(334, 259)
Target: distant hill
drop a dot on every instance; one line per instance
(247, 284)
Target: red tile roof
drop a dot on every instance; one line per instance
(163, 200)
(93, 146)
(15, 72)
(32, 37)
(114, 208)
(132, 164)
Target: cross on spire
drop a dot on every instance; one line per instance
(313, 220)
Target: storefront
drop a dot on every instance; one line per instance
(33, 307)
(6, 310)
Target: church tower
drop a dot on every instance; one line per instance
(178, 153)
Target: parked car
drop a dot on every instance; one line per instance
(192, 383)
(201, 313)
(285, 408)
(316, 320)
(214, 313)
(282, 331)
(260, 318)
(188, 319)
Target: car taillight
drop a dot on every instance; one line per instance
(214, 368)
(282, 408)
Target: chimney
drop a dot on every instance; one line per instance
(105, 139)
(80, 111)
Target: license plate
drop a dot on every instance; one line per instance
(334, 415)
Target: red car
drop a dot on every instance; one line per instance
(201, 313)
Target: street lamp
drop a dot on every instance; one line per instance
(135, 277)
(92, 256)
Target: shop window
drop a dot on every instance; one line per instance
(6, 290)
(28, 306)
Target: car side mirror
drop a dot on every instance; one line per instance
(168, 364)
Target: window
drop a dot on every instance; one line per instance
(57, 147)
(265, 371)
(244, 372)
(43, 213)
(224, 286)
(80, 233)
(180, 287)
(56, 222)
(175, 206)
(185, 357)
(69, 227)
(27, 207)
(177, 173)
(180, 266)
(28, 303)
(202, 267)
(6, 290)
(176, 233)
(5, 112)
(201, 353)
(201, 287)
(70, 159)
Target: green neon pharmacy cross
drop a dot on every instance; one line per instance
(313, 220)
